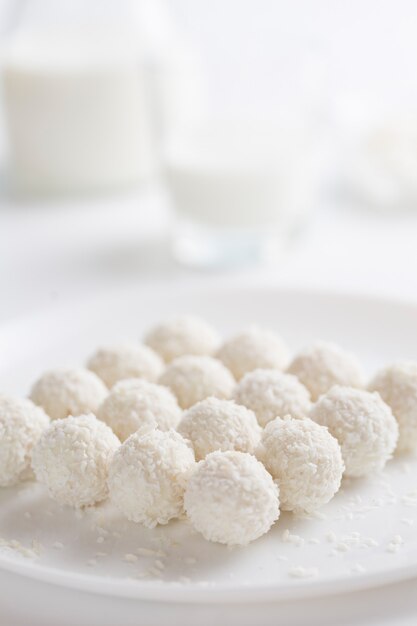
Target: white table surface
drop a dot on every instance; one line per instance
(59, 250)
(63, 250)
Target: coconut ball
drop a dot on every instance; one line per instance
(147, 476)
(363, 425)
(214, 424)
(323, 365)
(230, 498)
(64, 392)
(397, 386)
(194, 378)
(130, 361)
(184, 335)
(134, 403)
(305, 460)
(271, 394)
(21, 425)
(252, 349)
(72, 458)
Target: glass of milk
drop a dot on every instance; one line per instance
(238, 189)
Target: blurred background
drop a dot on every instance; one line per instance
(246, 141)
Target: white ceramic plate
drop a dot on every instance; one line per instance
(367, 536)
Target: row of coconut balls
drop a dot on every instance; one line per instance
(245, 473)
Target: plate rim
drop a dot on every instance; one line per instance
(228, 593)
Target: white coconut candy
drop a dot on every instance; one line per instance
(115, 363)
(397, 386)
(323, 365)
(147, 476)
(72, 458)
(304, 459)
(214, 424)
(21, 425)
(230, 498)
(252, 349)
(270, 394)
(135, 404)
(363, 425)
(194, 378)
(64, 392)
(184, 335)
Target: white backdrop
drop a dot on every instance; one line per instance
(255, 53)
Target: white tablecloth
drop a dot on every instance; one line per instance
(61, 250)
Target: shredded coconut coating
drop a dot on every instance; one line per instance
(72, 458)
(271, 394)
(323, 365)
(129, 361)
(230, 498)
(214, 424)
(363, 425)
(21, 425)
(181, 336)
(135, 404)
(64, 392)
(397, 386)
(252, 349)
(194, 378)
(305, 460)
(147, 477)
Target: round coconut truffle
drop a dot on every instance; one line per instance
(214, 424)
(397, 386)
(230, 498)
(64, 392)
(135, 404)
(363, 425)
(130, 361)
(147, 476)
(253, 349)
(72, 458)
(181, 336)
(194, 378)
(271, 394)
(305, 460)
(21, 425)
(323, 365)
